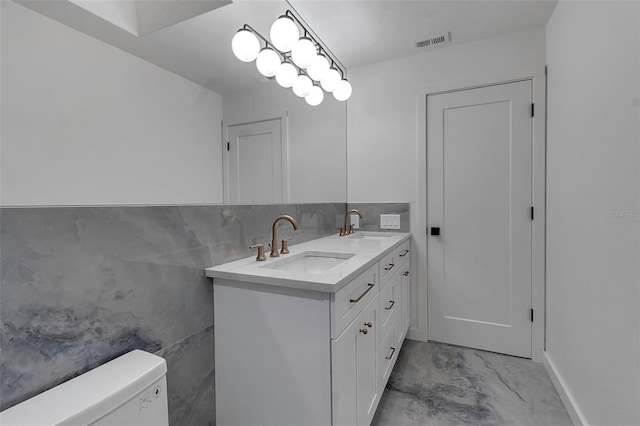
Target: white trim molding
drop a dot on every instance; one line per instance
(567, 398)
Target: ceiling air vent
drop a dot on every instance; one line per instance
(434, 40)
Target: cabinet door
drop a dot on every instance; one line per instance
(344, 374)
(367, 348)
(406, 296)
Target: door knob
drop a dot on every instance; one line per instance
(435, 230)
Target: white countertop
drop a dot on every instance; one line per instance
(366, 252)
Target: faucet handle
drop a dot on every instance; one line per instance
(285, 245)
(350, 230)
(260, 257)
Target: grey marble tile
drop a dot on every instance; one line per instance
(371, 215)
(242, 226)
(190, 379)
(438, 384)
(80, 286)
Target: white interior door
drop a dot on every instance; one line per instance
(479, 195)
(255, 162)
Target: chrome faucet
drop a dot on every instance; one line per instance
(274, 233)
(348, 228)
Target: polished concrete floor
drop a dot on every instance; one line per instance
(439, 384)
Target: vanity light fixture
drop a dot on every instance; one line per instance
(304, 52)
(303, 63)
(284, 33)
(302, 85)
(268, 62)
(315, 96)
(286, 74)
(245, 46)
(319, 67)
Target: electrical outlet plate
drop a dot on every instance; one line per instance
(355, 221)
(389, 221)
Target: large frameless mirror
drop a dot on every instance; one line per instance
(270, 146)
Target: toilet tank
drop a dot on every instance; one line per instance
(131, 390)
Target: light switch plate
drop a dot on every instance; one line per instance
(389, 221)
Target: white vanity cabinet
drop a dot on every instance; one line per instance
(296, 355)
(353, 361)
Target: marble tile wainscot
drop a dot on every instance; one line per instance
(80, 286)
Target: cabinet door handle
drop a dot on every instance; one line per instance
(389, 267)
(364, 331)
(405, 253)
(405, 273)
(369, 324)
(391, 303)
(393, 351)
(363, 294)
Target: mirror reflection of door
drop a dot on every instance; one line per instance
(254, 154)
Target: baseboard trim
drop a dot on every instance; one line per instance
(567, 399)
(415, 334)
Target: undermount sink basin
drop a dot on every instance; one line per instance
(366, 236)
(310, 262)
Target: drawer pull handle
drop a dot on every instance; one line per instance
(389, 267)
(364, 331)
(391, 303)
(369, 324)
(405, 253)
(363, 294)
(405, 273)
(393, 351)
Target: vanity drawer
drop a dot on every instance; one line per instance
(347, 303)
(403, 252)
(387, 267)
(390, 300)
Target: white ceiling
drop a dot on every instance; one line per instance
(358, 32)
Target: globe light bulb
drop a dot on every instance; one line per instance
(245, 45)
(302, 86)
(286, 74)
(284, 33)
(315, 96)
(331, 80)
(304, 52)
(268, 62)
(343, 90)
(319, 68)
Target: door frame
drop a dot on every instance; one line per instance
(284, 134)
(538, 157)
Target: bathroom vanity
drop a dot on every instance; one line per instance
(311, 337)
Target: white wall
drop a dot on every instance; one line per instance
(386, 129)
(84, 123)
(316, 139)
(593, 277)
